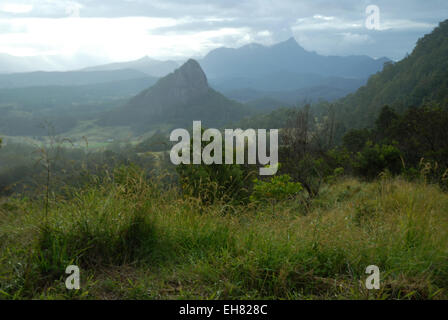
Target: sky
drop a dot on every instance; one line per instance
(122, 30)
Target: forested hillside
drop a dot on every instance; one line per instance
(420, 77)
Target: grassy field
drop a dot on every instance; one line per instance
(133, 239)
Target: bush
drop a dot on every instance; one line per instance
(275, 189)
(226, 182)
(209, 183)
(374, 159)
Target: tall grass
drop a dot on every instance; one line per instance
(135, 239)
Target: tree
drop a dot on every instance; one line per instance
(304, 149)
(384, 122)
(355, 140)
(422, 133)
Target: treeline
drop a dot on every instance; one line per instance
(314, 150)
(26, 169)
(402, 144)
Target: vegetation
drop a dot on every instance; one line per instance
(419, 78)
(135, 239)
(346, 196)
(278, 188)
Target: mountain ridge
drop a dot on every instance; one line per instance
(151, 67)
(67, 78)
(420, 77)
(256, 59)
(177, 99)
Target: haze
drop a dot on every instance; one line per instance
(87, 32)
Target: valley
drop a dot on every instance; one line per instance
(345, 170)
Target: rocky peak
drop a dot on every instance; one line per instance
(185, 83)
(190, 74)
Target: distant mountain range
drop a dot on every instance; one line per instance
(177, 100)
(151, 67)
(284, 72)
(254, 61)
(328, 89)
(286, 69)
(70, 78)
(17, 64)
(251, 79)
(29, 64)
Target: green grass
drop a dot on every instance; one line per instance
(135, 240)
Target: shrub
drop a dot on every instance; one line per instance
(275, 189)
(374, 159)
(226, 182)
(209, 183)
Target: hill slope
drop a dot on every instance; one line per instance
(420, 77)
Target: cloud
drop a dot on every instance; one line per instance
(16, 8)
(114, 38)
(405, 25)
(318, 22)
(128, 29)
(320, 17)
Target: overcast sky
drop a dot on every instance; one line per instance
(119, 30)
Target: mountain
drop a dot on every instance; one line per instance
(11, 64)
(263, 66)
(24, 110)
(329, 89)
(420, 77)
(177, 100)
(69, 78)
(147, 65)
(285, 81)
(288, 68)
(15, 64)
(58, 98)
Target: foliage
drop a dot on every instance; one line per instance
(210, 183)
(417, 79)
(305, 146)
(158, 142)
(20, 172)
(133, 242)
(374, 159)
(422, 133)
(355, 140)
(275, 189)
